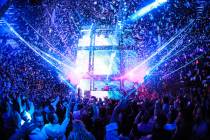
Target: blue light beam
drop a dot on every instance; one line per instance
(146, 9)
(185, 65)
(162, 47)
(165, 57)
(49, 44)
(36, 50)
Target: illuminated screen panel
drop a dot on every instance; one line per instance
(99, 94)
(82, 61)
(113, 85)
(100, 40)
(114, 95)
(84, 41)
(103, 40)
(84, 84)
(106, 62)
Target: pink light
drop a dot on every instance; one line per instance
(130, 75)
(137, 75)
(75, 76)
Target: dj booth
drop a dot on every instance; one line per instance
(115, 95)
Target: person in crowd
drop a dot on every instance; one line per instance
(79, 132)
(173, 102)
(38, 121)
(54, 130)
(200, 128)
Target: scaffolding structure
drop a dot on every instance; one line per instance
(91, 44)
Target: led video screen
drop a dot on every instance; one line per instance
(106, 62)
(84, 84)
(100, 40)
(82, 61)
(100, 85)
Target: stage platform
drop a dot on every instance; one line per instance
(115, 95)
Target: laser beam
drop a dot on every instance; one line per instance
(49, 44)
(24, 41)
(188, 63)
(174, 54)
(162, 47)
(163, 59)
(34, 49)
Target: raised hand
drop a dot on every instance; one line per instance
(32, 108)
(68, 110)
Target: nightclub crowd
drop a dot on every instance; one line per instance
(36, 104)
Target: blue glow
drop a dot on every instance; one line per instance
(28, 115)
(185, 65)
(111, 60)
(84, 84)
(22, 122)
(100, 40)
(40, 53)
(164, 58)
(162, 47)
(67, 83)
(82, 61)
(36, 50)
(146, 9)
(48, 43)
(106, 62)
(161, 1)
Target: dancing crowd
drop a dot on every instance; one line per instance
(169, 116)
(36, 104)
